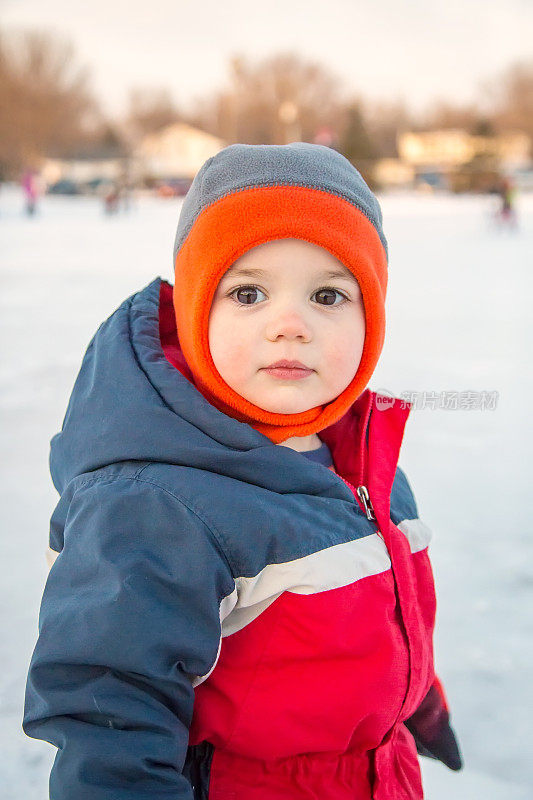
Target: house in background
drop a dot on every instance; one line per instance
(166, 160)
(174, 154)
(82, 175)
(91, 167)
(461, 161)
(393, 173)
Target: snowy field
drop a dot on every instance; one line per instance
(458, 320)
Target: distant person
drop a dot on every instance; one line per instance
(507, 211)
(111, 200)
(241, 601)
(126, 191)
(30, 187)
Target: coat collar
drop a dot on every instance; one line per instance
(365, 443)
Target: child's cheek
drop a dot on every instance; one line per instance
(232, 346)
(342, 360)
(338, 355)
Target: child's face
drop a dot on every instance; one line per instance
(277, 302)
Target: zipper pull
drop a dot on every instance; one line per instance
(364, 497)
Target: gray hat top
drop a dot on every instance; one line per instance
(246, 166)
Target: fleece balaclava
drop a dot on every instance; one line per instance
(250, 194)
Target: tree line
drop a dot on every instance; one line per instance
(48, 109)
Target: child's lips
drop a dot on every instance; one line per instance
(291, 370)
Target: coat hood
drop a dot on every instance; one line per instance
(130, 403)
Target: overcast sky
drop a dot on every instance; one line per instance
(381, 49)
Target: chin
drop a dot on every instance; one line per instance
(284, 407)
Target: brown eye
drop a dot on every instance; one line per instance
(246, 295)
(327, 296)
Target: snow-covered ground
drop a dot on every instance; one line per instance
(458, 320)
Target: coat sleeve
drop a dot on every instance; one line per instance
(130, 615)
(430, 726)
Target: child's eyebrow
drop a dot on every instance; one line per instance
(250, 272)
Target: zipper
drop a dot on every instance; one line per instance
(364, 497)
(365, 501)
(361, 492)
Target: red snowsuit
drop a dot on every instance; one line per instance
(309, 696)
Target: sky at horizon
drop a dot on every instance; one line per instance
(416, 51)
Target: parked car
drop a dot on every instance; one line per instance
(173, 187)
(64, 186)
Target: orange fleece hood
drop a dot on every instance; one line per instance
(250, 194)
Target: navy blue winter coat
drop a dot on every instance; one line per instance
(186, 539)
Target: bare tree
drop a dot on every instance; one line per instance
(384, 120)
(150, 110)
(505, 102)
(444, 115)
(513, 98)
(282, 98)
(45, 102)
(355, 142)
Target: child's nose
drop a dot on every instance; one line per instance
(290, 324)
